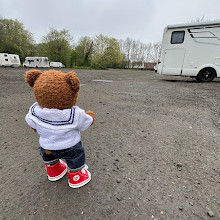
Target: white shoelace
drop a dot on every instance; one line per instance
(83, 170)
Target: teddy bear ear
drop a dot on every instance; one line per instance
(73, 81)
(31, 76)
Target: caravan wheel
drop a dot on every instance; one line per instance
(206, 75)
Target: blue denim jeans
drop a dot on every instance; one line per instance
(74, 156)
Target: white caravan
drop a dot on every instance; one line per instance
(11, 60)
(36, 62)
(191, 50)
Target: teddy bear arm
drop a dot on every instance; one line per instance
(91, 114)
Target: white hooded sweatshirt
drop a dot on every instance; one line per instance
(58, 129)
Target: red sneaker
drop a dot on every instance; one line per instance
(79, 178)
(56, 171)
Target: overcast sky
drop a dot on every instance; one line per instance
(142, 20)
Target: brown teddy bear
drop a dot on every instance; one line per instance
(58, 122)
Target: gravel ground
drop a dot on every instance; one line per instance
(153, 151)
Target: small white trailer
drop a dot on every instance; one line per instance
(56, 65)
(36, 62)
(9, 60)
(191, 50)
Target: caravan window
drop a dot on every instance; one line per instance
(177, 37)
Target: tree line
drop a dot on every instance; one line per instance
(97, 52)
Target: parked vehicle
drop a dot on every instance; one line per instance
(191, 50)
(36, 62)
(56, 65)
(11, 60)
(155, 67)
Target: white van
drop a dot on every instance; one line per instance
(191, 50)
(11, 60)
(36, 62)
(56, 65)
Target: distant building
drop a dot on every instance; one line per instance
(149, 66)
(141, 66)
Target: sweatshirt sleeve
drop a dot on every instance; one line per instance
(84, 120)
(30, 122)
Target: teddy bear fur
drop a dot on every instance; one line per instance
(54, 89)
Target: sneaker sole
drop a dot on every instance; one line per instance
(80, 184)
(59, 176)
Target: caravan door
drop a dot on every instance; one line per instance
(173, 61)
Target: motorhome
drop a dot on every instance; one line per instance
(11, 60)
(56, 65)
(36, 62)
(191, 50)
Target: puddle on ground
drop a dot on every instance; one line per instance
(102, 80)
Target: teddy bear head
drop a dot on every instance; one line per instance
(54, 89)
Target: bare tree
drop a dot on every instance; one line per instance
(202, 19)
(138, 53)
(126, 48)
(156, 51)
(87, 51)
(147, 55)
